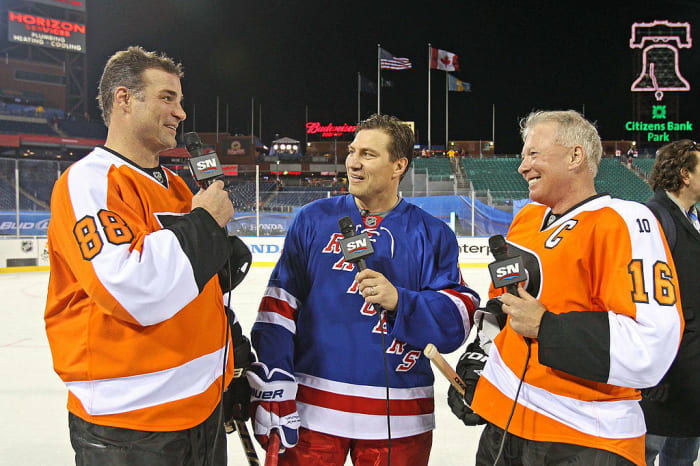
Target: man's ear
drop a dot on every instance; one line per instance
(400, 166)
(122, 98)
(578, 157)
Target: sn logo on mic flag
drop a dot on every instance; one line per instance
(507, 271)
(356, 247)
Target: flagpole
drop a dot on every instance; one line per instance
(379, 80)
(447, 111)
(429, 56)
(493, 124)
(358, 96)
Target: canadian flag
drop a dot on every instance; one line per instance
(443, 60)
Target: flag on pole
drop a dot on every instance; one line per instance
(370, 87)
(389, 62)
(367, 85)
(443, 60)
(457, 85)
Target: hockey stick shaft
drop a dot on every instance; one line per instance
(273, 449)
(434, 355)
(247, 442)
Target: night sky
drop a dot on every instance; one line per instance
(519, 56)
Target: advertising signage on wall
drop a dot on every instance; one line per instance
(77, 5)
(54, 33)
(329, 130)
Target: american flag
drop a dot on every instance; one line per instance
(388, 61)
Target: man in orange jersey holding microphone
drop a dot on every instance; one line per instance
(135, 316)
(598, 319)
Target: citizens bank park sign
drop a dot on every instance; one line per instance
(660, 44)
(53, 33)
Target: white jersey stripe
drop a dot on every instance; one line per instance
(275, 318)
(616, 420)
(362, 426)
(282, 295)
(124, 394)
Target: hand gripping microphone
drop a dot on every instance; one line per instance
(355, 247)
(204, 163)
(506, 271)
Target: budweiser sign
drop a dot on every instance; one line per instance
(329, 130)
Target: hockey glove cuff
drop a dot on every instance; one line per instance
(273, 405)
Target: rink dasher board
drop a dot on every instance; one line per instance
(30, 253)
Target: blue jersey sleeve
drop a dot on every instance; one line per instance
(442, 311)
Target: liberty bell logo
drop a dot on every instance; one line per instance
(660, 42)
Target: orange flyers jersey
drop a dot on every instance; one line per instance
(134, 315)
(614, 324)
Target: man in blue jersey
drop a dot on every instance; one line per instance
(321, 381)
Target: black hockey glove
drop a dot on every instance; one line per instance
(237, 395)
(469, 368)
(238, 265)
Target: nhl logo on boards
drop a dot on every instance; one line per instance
(27, 245)
(371, 221)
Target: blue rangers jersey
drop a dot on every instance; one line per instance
(314, 323)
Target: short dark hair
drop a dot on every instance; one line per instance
(402, 138)
(125, 68)
(670, 160)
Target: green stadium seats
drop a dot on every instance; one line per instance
(438, 169)
(501, 178)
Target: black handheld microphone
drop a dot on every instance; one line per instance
(355, 247)
(204, 163)
(506, 271)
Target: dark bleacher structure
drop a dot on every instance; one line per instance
(25, 127)
(295, 196)
(83, 129)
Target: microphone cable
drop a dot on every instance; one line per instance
(382, 321)
(220, 421)
(515, 402)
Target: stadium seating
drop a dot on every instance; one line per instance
(296, 196)
(616, 179)
(83, 129)
(438, 169)
(498, 175)
(242, 194)
(19, 127)
(644, 165)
